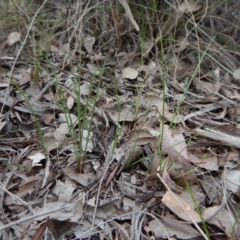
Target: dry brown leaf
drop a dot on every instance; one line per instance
(233, 180)
(174, 145)
(236, 74)
(48, 118)
(163, 228)
(173, 118)
(177, 205)
(155, 163)
(64, 190)
(208, 163)
(13, 38)
(93, 68)
(151, 100)
(209, 88)
(70, 102)
(83, 179)
(59, 49)
(87, 141)
(65, 118)
(193, 198)
(28, 186)
(150, 69)
(182, 173)
(222, 218)
(235, 95)
(120, 114)
(61, 132)
(40, 230)
(162, 107)
(143, 137)
(233, 156)
(88, 43)
(167, 179)
(85, 88)
(128, 153)
(51, 142)
(129, 73)
(140, 133)
(49, 175)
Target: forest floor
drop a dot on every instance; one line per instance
(119, 119)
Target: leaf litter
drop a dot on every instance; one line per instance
(114, 130)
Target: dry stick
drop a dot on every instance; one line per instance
(20, 50)
(190, 217)
(108, 160)
(44, 90)
(29, 218)
(2, 187)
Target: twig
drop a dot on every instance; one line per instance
(109, 159)
(190, 217)
(16, 197)
(29, 218)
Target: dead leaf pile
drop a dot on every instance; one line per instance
(121, 121)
